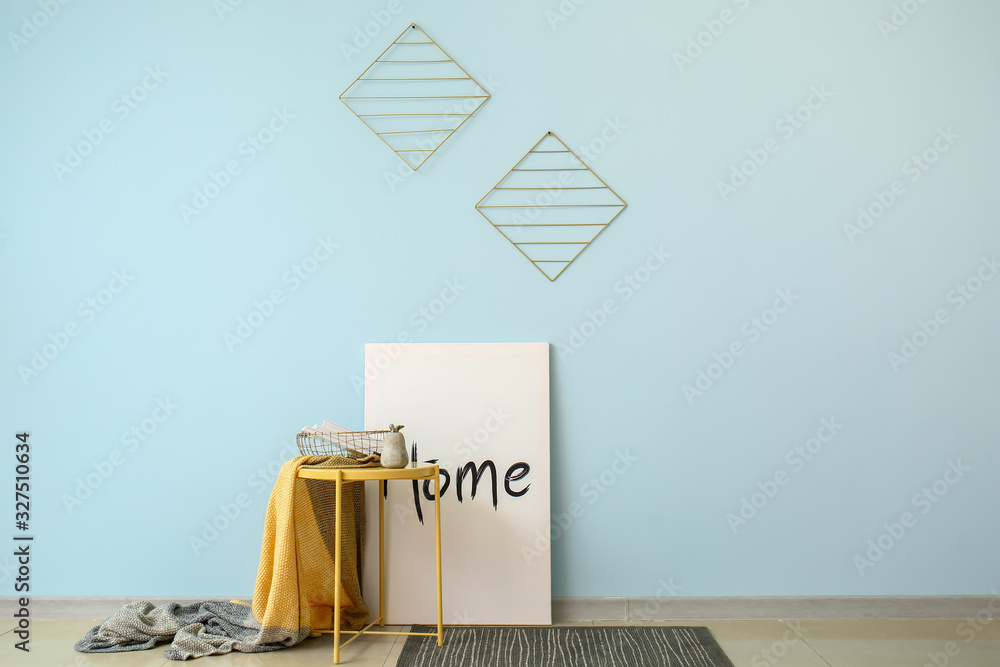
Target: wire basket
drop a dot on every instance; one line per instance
(349, 444)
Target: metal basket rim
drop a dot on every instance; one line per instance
(313, 433)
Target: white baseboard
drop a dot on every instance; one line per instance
(90, 608)
(583, 609)
(670, 608)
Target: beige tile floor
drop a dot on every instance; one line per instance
(890, 643)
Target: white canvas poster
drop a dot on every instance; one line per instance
(482, 411)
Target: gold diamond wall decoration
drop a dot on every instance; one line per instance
(414, 96)
(550, 206)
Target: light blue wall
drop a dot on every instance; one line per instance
(664, 519)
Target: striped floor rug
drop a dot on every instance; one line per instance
(588, 646)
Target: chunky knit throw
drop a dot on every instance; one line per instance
(293, 597)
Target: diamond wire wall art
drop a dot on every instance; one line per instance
(550, 206)
(414, 96)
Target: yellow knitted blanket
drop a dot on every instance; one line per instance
(293, 596)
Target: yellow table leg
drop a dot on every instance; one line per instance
(381, 552)
(336, 568)
(437, 538)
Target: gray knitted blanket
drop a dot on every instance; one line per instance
(294, 589)
(193, 631)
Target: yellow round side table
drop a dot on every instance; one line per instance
(341, 475)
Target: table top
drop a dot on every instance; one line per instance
(351, 474)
